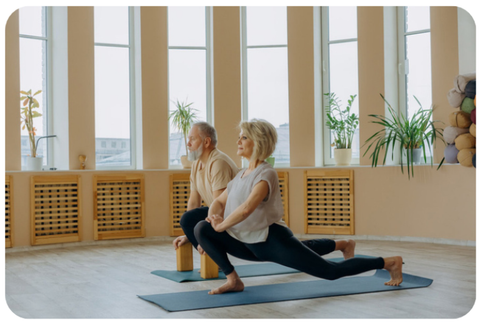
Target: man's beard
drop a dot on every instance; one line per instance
(194, 155)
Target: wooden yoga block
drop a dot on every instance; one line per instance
(208, 268)
(185, 257)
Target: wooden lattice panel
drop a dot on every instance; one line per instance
(180, 192)
(55, 209)
(329, 203)
(8, 212)
(283, 182)
(118, 206)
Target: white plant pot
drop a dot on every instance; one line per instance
(185, 162)
(34, 163)
(416, 158)
(342, 156)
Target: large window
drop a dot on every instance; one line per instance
(340, 67)
(265, 72)
(188, 68)
(34, 64)
(415, 58)
(113, 88)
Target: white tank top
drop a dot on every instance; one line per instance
(254, 229)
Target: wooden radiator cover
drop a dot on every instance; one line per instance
(180, 192)
(329, 203)
(56, 209)
(118, 210)
(8, 212)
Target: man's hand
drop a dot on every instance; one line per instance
(179, 241)
(201, 250)
(215, 220)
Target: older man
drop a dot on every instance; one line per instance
(211, 171)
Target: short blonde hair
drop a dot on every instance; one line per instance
(264, 137)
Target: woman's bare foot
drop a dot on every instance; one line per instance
(349, 250)
(234, 283)
(394, 266)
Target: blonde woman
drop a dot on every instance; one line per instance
(245, 221)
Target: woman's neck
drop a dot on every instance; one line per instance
(252, 164)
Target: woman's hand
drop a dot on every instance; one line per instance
(216, 221)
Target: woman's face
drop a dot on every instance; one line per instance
(244, 146)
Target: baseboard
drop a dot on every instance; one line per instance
(299, 236)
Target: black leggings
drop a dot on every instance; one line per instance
(191, 218)
(280, 247)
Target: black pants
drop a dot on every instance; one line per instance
(191, 218)
(280, 247)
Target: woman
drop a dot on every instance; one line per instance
(246, 221)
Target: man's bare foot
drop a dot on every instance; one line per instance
(349, 250)
(234, 283)
(394, 266)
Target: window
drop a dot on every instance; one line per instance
(265, 72)
(113, 85)
(189, 72)
(340, 65)
(415, 58)
(114, 144)
(34, 65)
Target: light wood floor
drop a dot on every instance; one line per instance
(103, 281)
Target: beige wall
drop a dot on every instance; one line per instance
(81, 87)
(434, 204)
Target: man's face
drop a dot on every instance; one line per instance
(194, 144)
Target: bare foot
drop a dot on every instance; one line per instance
(234, 283)
(349, 250)
(394, 266)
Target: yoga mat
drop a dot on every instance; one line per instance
(246, 270)
(191, 300)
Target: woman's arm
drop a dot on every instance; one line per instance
(218, 205)
(258, 194)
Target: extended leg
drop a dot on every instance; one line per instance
(325, 246)
(283, 248)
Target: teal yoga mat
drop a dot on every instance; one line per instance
(191, 300)
(248, 270)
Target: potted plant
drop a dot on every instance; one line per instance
(27, 114)
(343, 123)
(271, 160)
(413, 135)
(182, 119)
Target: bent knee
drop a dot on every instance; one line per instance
(202, 228)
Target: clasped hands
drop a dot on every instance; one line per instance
(216, 221)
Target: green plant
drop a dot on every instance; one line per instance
(183, 118)
(27, 114)
(417, 132)
(343, 123)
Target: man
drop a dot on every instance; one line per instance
(211, 171)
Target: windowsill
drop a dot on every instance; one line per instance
(435, 165)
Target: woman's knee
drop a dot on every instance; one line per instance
(202, 229)
(190, 218)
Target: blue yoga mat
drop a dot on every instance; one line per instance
(191, 300)
(247, 270)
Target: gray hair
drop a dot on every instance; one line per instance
(207, 130)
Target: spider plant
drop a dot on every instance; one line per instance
(417, 132)
(182, 118)
(342, 122)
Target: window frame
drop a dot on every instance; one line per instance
(244, 72)
(48, 73)
(132, 81)
(403, 64)
(325, 64)
(208, 74)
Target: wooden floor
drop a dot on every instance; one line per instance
(103, 281)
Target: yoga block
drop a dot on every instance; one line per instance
(450, 133)
(185, 257)
(465, 157)
(208, 268)
(465, 141)
(460, 119)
